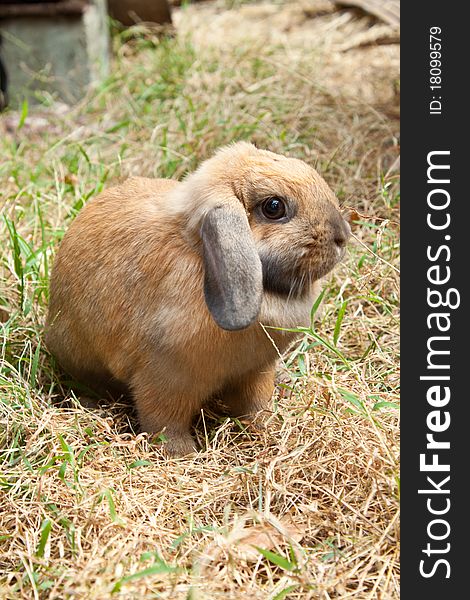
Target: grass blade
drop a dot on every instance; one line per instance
(316, 306)
(160, 568)
(34, 365)
(115, 518)
(339, 320)
(285, 592)
(24, 114)
(46, 527)
(277, 559)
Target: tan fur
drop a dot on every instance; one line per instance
(127, 301)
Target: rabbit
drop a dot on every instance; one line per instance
(170, 289)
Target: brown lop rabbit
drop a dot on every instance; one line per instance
(164, 286)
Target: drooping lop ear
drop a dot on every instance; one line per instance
(233, 280)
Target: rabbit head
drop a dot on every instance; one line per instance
(265, 223)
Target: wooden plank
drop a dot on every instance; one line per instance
(130, 12)
(385, 10)
(43, 9)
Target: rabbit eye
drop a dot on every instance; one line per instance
(274, 208)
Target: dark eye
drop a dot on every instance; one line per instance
(274, 208)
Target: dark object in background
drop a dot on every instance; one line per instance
(60, 47)
(52, 50)
(130, 12)
(3, 80)
(3, 86)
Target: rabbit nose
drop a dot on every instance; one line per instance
(341, 231)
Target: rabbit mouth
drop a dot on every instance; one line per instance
(341, 251)
(292, 279)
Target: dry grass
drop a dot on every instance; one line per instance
(89, 509)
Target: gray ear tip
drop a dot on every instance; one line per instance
(233, 322)
(232, 315)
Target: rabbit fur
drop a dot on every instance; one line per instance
(164, 287)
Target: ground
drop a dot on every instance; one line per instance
(306, 509)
